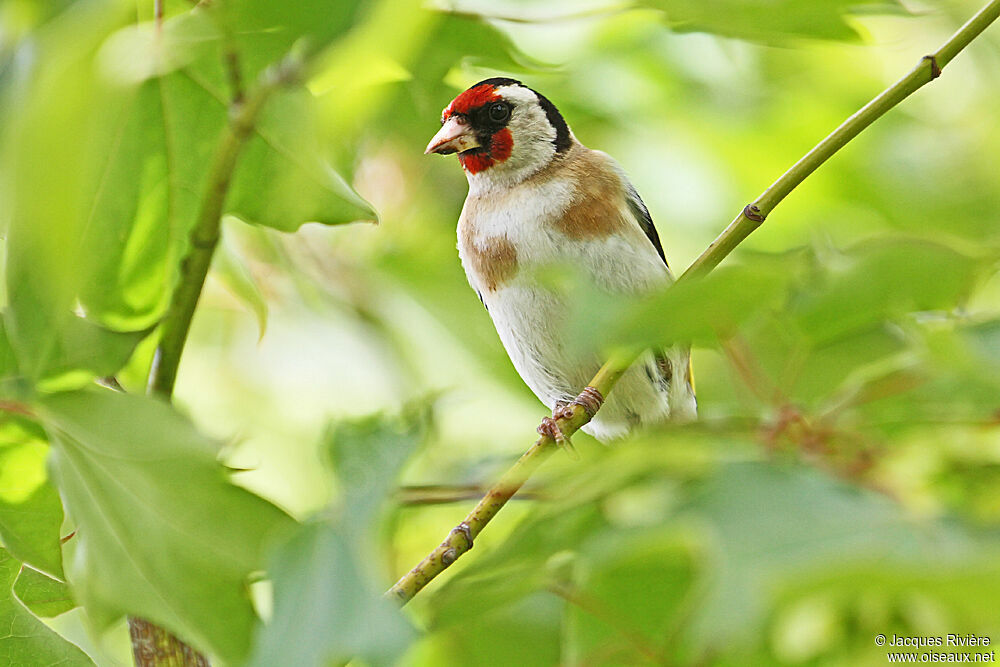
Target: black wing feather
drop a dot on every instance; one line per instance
(645, 221)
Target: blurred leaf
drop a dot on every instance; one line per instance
(151, 181)
(809, 372)
(147, 50)
(984, 338)
(667, 560)
(326, 608)
(802, 522)
(113, 234)
(60, 119)
(233, 272)
(903, 600)
(30, 510)
(770, 20)
(701, 311)
(527, 632)
(43, 595)
(161, 532)
(327, 604)
(367, 456)
(884, 279)
(264, 31)
(641, 579)
(25, 639)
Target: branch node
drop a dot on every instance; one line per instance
(935, 70)
(465, 530)
(752, 212)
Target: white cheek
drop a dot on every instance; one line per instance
(533, 147)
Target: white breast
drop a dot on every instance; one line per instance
(529, 318)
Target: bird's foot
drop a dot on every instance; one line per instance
(590, 400)
(550, 427)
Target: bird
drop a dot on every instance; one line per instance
(538, 197)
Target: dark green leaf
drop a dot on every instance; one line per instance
(161, 532)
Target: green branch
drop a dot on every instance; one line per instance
(205, 234)
(460, 539)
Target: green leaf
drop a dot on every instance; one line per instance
(151, 174)
(85, 350)
(770, 21)
(984, 339)
(25, 640)
(161, 532)
(884, 279)
(43, 595)
(30, 510)
(802, 522)
(283, 180)
(327, 604)
(107, 229)
(642, 576)
(326, 608)
(699, 311)
(64, 102)
(367, 456)
(529, 632)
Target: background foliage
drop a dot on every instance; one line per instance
(844, 480)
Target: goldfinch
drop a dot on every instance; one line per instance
(538, 197)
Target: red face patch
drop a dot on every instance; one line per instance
(501, 142)
(498, 151)
(471, 99)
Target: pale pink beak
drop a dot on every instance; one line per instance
(455, 136)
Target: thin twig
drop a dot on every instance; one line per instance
(205, 234)
(234, 73)
(459, 540)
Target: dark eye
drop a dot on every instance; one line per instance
(499, 112)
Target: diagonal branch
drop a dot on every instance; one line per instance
(460, 539)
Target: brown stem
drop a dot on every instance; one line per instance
(152, 646)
